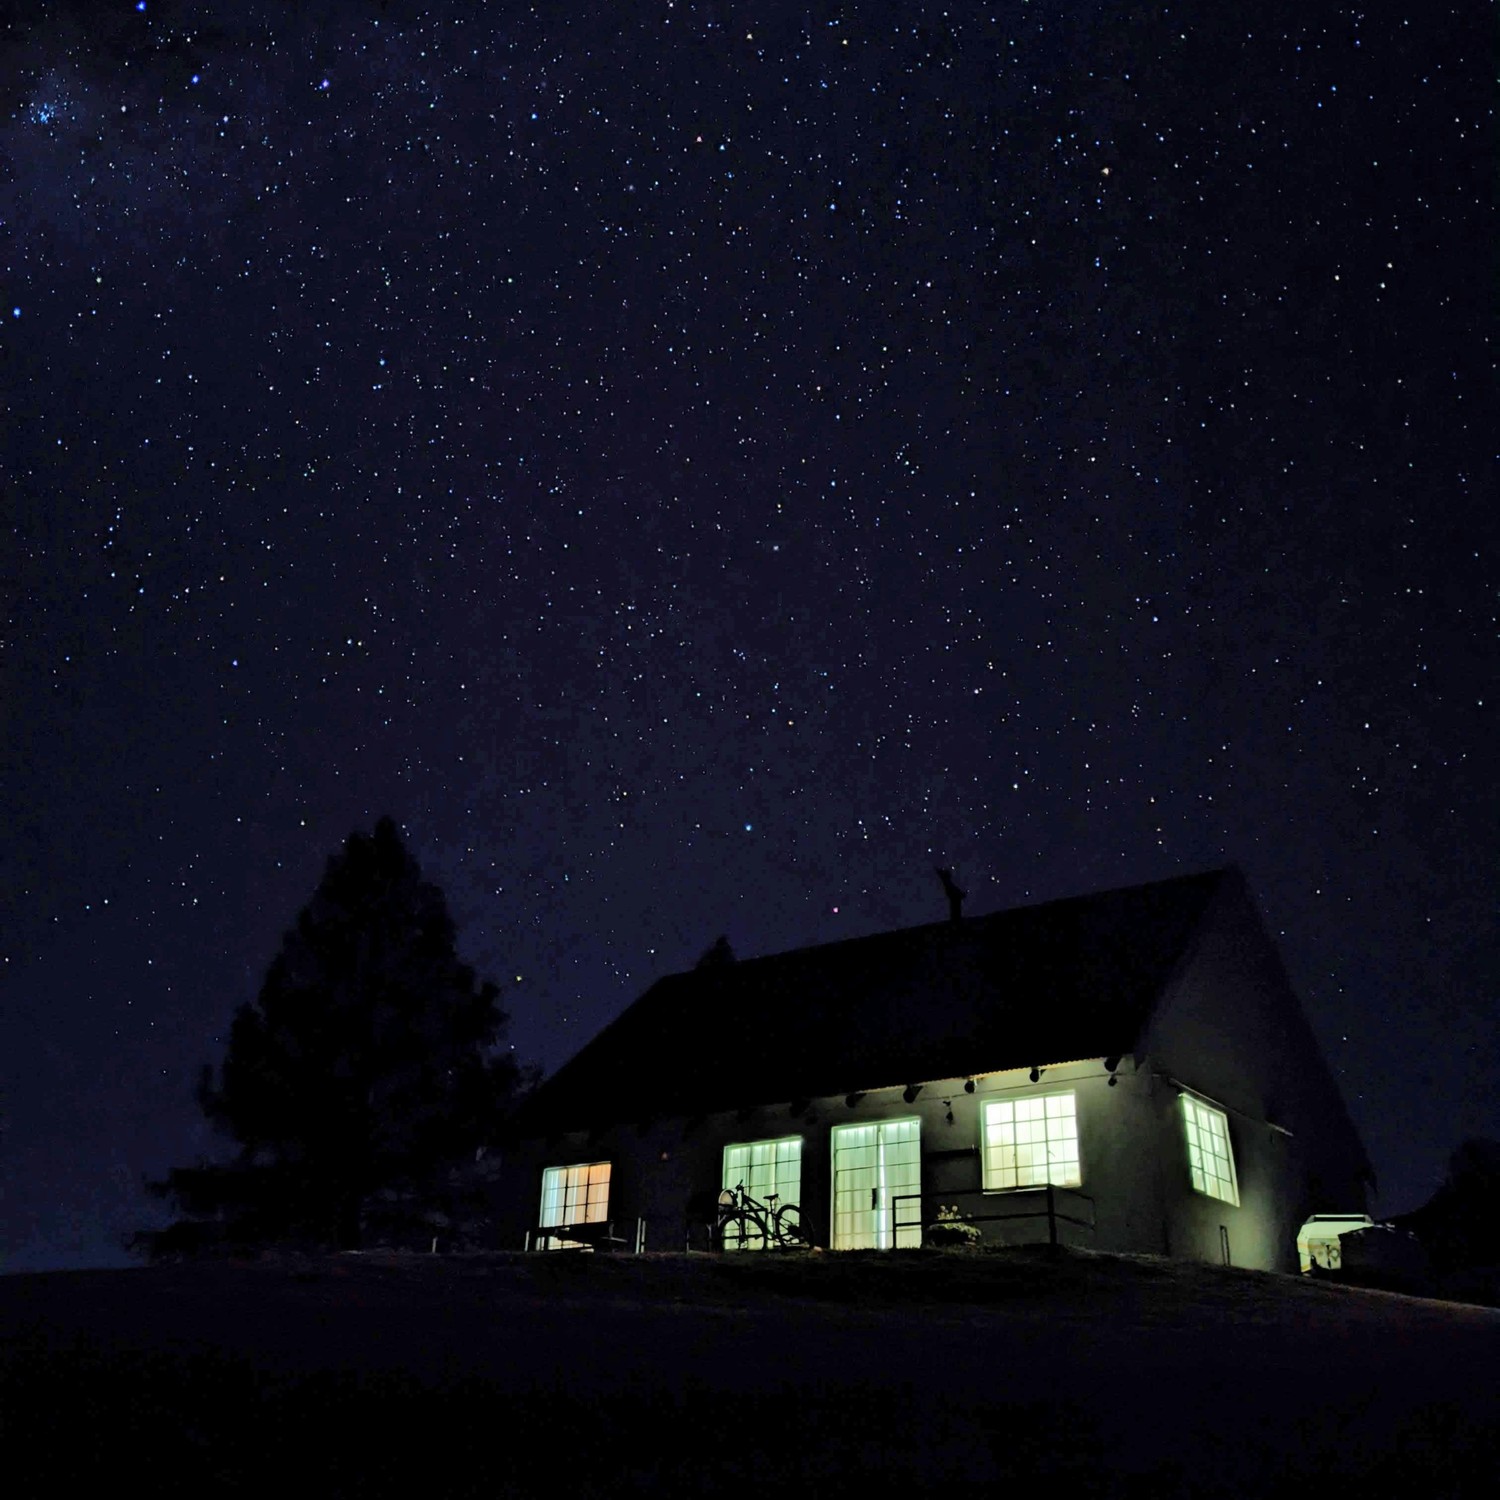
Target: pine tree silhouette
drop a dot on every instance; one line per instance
(363, 1073)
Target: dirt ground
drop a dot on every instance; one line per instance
(590, 1375)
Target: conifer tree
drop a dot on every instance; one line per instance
(365, 1071)
(1459, 1226)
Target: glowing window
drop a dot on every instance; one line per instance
(766, 1168)
(877, 1186)
(575, 1195)
(1031, 1142)
(1210, 1157)
(771, 1173)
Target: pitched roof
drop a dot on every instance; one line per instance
(1039, 984)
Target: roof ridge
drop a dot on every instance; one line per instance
(1076, 974)
(947, 925)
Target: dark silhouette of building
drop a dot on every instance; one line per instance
(1129, 1071)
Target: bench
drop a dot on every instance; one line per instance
(601, 1234)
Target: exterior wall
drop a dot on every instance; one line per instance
(1113, 1198)
(668, 1172)
(1259, 1231)
(1231, 1029)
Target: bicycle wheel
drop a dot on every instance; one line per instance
(742, 1231)
(788, 1226)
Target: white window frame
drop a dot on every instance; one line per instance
(565, 1189)
(781, 1174)
(1210, 1150)
(884, 1231)
(1063, 1164)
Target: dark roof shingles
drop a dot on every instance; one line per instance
(1068, 979)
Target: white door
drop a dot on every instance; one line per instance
(877, 1185)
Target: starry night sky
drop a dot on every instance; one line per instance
(700, 465)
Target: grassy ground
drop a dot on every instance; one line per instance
(671, 1374)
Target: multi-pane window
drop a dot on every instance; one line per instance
(1210, 1157)
(1031, 1142)
(877, 1186)
(575, 1195)
(765, 1168)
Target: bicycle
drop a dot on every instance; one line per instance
(745, 1223)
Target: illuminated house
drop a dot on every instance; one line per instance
(1128, 1071)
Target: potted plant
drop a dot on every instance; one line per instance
(951, 1228)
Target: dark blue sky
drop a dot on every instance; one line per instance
(699, 465)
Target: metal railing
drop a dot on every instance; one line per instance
(1048, 1209)
(629, 1235)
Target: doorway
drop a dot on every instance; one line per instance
(877, 1186)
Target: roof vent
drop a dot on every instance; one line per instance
(716, 955)
(953, 893)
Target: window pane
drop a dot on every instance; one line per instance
(877, 1180)
(1030, 1142)
(1210, 1157)
(575, 1194)
(769, 1171)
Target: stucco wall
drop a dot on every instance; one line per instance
(1230, 1027)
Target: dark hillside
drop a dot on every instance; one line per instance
(592, 1376)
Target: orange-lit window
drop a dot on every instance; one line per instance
(575, 1195)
